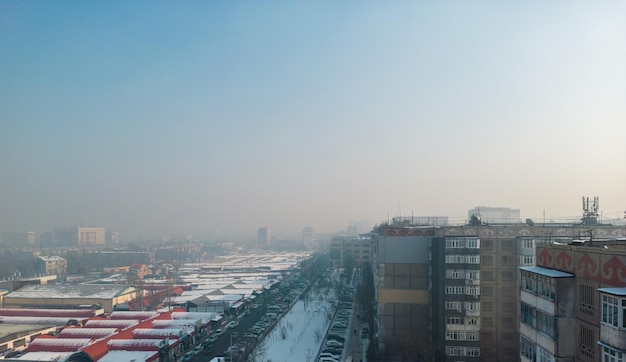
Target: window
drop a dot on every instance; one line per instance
(473, 352)
(527, 349)
(527, 259)
(473, 259)
(455, 289)
(546, 323)
(473, 274)
(487, 321)
(487, 291)
(507, 321)
(612, 314)
(545, 356)
(527, 314)
(506, 307)
(487, 260)
(463, 351)
(506, 291)
(455, 274)
(473, 243)
(472, 290)
(454, 319)
(454, 305)
(506, 276)
(487, 275)
(472, 321)
(487, 244)
(487, 337)
(587, 342)
(528, 244)
(472, 306)
(507, 260)
(585, 299)
(611, 355)
(487, 306)
(454, 243)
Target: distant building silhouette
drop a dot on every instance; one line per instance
(495, 215)
(264, 236)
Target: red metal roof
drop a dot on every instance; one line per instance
(58, 344)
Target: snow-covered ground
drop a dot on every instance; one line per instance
(298, 335)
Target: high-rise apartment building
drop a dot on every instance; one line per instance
(469, 276)
(264, 236)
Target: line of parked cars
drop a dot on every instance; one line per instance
(332, 351)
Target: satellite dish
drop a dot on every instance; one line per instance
(530, 222)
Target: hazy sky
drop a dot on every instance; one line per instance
(152, 117)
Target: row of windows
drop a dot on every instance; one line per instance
(614, 311)
(463, 259)
(538, 284)
(527, 260)
(543, 322)
(453, 243)
(460, 306)
(460, 320)
(461, 289)
(461, 336)
(463, 351)
(462, 274)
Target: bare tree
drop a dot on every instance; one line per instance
(257, 354)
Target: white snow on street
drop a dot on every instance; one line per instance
(298, 335)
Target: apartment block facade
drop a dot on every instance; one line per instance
(358, 248)
(573, 304)
(472, 276)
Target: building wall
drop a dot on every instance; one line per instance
(52, 265)
(402, 281)
(358, 248)
(595, 267)
(499, 215)
(91, 236)
(503, 248)
(53, 303)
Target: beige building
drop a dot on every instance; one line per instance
(80, 236)
(52, 265)
(63, 296)
(359, 248)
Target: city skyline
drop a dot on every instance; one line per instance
(186, 118)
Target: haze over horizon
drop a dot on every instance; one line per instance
(154, 118)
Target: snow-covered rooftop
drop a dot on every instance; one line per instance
(67, 291)
(117, 356)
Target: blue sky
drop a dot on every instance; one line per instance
(185, 117)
